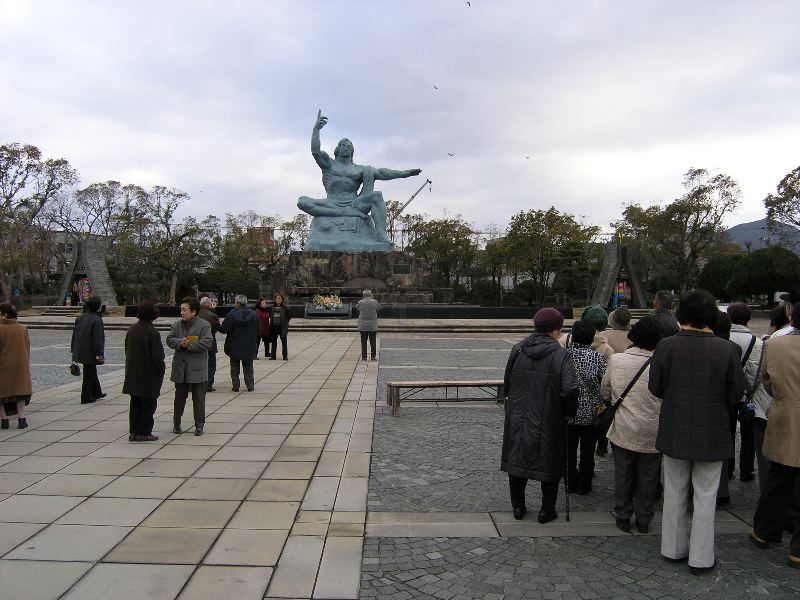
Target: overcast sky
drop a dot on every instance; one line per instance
(581, 105)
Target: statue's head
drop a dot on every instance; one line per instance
(345, 148)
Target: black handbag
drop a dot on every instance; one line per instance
(75, 369)
(605, 419)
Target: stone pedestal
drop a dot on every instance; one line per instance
(394, 277)
(344, 233)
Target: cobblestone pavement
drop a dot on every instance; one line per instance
(434, 459)
(568, 567)
(448, 459)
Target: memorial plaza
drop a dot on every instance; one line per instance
(308, 487)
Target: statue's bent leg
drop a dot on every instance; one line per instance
(377, 206)
(324, 208)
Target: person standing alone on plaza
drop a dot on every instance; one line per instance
(88, 348)
(699, 379)
(368, 323)
(144, 372)
(207, 313)
(241, 342)
(16, 387)
(191, 339)
(279, 327)
(541, 390)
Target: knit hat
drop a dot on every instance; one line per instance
(620, 319)
(547, 319)
(596, 315)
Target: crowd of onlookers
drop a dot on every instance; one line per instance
(669, 393)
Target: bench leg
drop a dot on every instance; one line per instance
(396, 402)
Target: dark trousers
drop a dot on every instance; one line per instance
(581, 474)
(90, 390)
(284, 347)
(733, 419)
(212, 369)
(265, 339)
(759, 429)
(747, 449)
(141, 415)
(198, 402)
(372, 337)
(249, 377)
(636, 477)
(773, 506)
(516, 486)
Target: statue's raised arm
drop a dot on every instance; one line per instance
(322, 158)
(387, 174)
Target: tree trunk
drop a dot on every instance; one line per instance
(5, 287)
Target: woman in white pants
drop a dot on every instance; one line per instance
(699, 378)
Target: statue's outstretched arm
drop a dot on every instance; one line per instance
(386, 174)
(322, 158)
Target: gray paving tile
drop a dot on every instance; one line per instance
(13, 534)
(215, 582)
(39, 580)
(162, 545)
(264, 515)
(131, 582)
(340, 568)
(213, 489)
(36, 509)
(205, 514)
(110, 511)
(70, 543)
(297, 569)
(252, 547)
(141, 487)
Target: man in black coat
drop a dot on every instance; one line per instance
(144, 372)
(88, 348)
(662, 305)
(541, 389)
(241, 343)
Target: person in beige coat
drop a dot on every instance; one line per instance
(617, 336)
(637, 463)
(15, 371)
(781, 379)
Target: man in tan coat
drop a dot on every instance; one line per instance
(15, 371)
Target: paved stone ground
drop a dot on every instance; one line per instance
(435, 468)
(565, 568)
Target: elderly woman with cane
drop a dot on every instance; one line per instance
(541, 390)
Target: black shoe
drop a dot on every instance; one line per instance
(177, 429)
(22, 423)
(601, 452)
(251, 389)
(747, 477)
(723, 501)
(624, 525)
(702, 570)
(236, 389)
(674, 560)
(198, 431)
(4, 424)
(284, 358)
(272, 358)
(363, 358)
(211, 389)
(519, 512)
(642, 528)
(101, 396)
(89, 401)
(584, 491)
(256, 358)
(546, 516)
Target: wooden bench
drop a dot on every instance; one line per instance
(404, 390)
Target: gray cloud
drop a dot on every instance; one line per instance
(612, 101)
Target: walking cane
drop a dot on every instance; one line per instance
(566, 472)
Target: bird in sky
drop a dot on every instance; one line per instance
(450, 154)
(434, 87)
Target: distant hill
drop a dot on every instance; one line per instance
(756, 233)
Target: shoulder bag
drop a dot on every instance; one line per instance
(605, 419)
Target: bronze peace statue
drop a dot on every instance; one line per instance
(347, 219)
